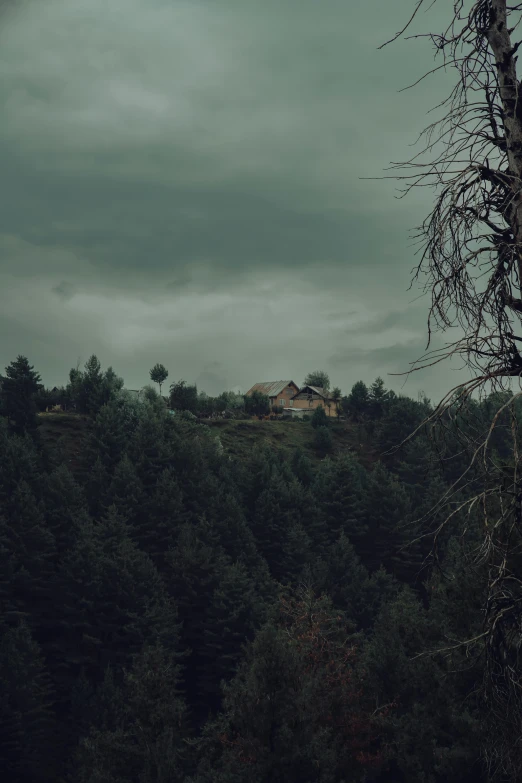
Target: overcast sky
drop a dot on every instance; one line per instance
(181, 183)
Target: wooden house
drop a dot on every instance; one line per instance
(279, 393)
(311, 397)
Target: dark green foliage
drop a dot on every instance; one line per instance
(257, 403)
(401, 417)
(323, 440)
(434, 726)
(143, 741)
(295, 711)
(340, 574)
(159, 375)
(17, 396)
(319, 418)
(65, 506)
(183, 397)
(173, 613)
(318, 378)
(108, 437)
(92, 388)
(377, 399)
(113, 600)
(357, 404)
(278, 509)
(31, 551)
(302, 468)
(233, 614)
(27, 730)
(339, 489)
(390, 529)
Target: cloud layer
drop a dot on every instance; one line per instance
(182, 183)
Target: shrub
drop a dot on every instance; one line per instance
(323, 439)
(319, 419)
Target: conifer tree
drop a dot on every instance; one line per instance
(17, 396)
(195, 568)
(27, 726)
(339, 489)
(125, 492)
(358, 401)
(108, 437)
(145, 742)
(340, 574)
(233, 615)
(295, 711)
(65, 506)
(388, 514)
(31, 552)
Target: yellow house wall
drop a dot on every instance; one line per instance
(330, 411)
(285, 395)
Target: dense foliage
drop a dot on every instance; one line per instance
(169, 613)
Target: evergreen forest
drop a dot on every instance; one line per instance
(171, 613)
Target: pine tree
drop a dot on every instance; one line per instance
(358, 401)
(158, 516)
(340, 574)
(302, 467)
(27, 727)
(90, 387)
(339, 490)
(125, 492)
(108, 437)
(31, 552)
(233, 615)
(433, 732)
(388, 514)
(146, 742)
(19, 460)
(65, 506)
(17, 393)
(275, 513)
(96, 485)
(195, 569)
(114, 600)
(295, 710)
(377, 399)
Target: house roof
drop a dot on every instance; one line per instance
(270, 388)
(324, 393)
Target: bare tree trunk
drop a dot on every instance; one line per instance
(472, 269)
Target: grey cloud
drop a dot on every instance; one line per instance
(64, 290)
(396, 356)
(188, 149)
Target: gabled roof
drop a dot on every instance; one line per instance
(324, 393)
(270, 388)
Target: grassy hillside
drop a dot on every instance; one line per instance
(240, 437)
(66, 432)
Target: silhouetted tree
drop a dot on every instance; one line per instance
(159, 375)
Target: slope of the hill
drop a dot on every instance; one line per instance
(67, 431)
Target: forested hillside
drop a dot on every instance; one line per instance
(174, 609)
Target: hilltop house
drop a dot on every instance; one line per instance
(279, 393)
(298, 401)
(308, 398)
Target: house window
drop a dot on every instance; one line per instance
(291, 403)
(281, 401)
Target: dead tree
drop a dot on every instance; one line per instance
(470, 248)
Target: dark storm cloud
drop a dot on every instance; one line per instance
(64, 290)
(394, 357)
(182, 183)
